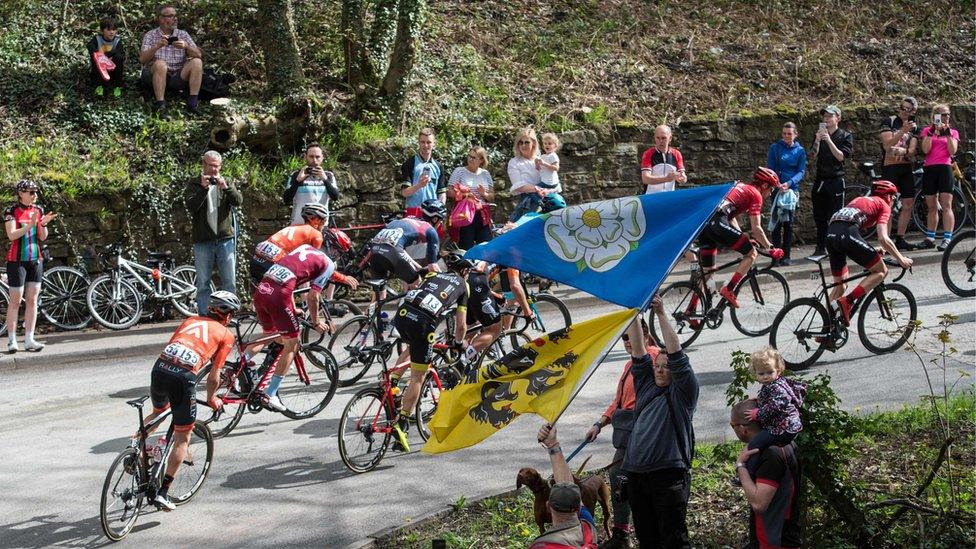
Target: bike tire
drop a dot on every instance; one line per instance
(888, 311)
(795, 330)
(361, 447)
(126, 491)
(311, 337)
(761, 295)
(679, 304)
(960, 208)
(959, 264)
(221, 422)
(346, 345)
(430, 395)
(552, 315)
(4, 305)
(126, 309)
(193, 471)
(187, 304)
(62, 301)
(307, 400)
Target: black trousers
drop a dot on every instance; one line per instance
(828, 197)
(659, 505)
(783, 237)
(116, 75)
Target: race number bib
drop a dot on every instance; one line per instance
(279, 274)
(431, 304)
(178, 353)
(388, 236)
(268, 250)
(849, 215)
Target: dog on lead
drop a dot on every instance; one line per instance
(593, 490)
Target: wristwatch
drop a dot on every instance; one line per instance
(739, 464)
(554, 449)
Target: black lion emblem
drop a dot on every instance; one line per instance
(539, 381)
(492, 393)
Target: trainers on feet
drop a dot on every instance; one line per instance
(164, 503)
(925, 245)
(903, 245)
(117, 92)
(785, 262)
(729, 296)
(273, 403)
(31, 345)
(619, 539)
(12, 346)
(943, 245)
(844, 305)
(400, 443)
(99, 91)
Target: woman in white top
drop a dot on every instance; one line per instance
(524, 174)
(473, 182)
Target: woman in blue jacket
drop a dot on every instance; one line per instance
(789, 160)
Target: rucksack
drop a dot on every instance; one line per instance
(215, 84)
(588, 540)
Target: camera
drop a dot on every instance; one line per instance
(171, 39)
(212, 180)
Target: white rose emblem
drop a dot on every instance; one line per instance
(597, 235)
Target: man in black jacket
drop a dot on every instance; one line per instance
(832, 147)
(657, 460)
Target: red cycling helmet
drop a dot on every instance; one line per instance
(764, 177)
(883, 188)
(341, 239)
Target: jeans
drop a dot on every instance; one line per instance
(764, 439)
(205, 256)
(621, 509)
(828, 197)
(659, 503)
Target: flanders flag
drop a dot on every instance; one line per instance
(538, 377)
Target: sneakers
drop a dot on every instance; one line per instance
(273, 403)
(619, 539)
(116, 92)
(925, 245)
(163, 502)
(400, 443)
(193, 109)
(99, 91)
(904, 245)
(845, 306)
(12, 346)
(729, 296)
(31, 345)
(785, 262)
(943, 245)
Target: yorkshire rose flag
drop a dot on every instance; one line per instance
(539, 377)
(618, 250)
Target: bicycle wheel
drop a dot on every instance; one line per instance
(762, 295)
(365, 429)
(959, 265)
(346, 345)
(304, 400)
(800, 332)
(62, 299)
(4, 303)
(114, 302)
(887, 318)
(221, 422)
(430, 395)
(122, 496)
(685, 304)
(549, 315)
(920, 211)
(195, 467)
(187, 303)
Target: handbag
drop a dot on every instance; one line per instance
(622, 420)
(463, 213)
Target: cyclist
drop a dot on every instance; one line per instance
(844, 240)
(723, 230)
(279, 244)
(198, 340)
(483, 308)
(275, 306)
(389, 249)
(417, 319)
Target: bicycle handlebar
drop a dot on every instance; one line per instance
(892, 263)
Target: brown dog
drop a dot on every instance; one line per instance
(593, 490)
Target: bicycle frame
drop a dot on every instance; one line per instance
(825, 287)
(158, 276)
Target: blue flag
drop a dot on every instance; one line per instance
(618, 250)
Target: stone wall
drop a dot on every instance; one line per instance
(595, 165)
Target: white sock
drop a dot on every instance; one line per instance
(29, 336)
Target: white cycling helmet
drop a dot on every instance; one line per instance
(316, 210)
(224, 302)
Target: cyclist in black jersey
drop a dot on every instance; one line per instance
(483, 308)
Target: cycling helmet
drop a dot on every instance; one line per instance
(224, 302)
(883, 188)
(433, 208)
(314, 210)
(27, 185)
(765, 177)
(340, 238)
(552, 202)
(456, 262)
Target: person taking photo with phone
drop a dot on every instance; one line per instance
(940, 142)
(832, 147)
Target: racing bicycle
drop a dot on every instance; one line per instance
(61, 301)
(959, 264)
(808, 326)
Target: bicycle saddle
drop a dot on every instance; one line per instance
(376, 283)
(817, 258)
(161, 255)
(137, 403)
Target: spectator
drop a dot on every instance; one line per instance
(472, 182)
(899, 141)
(171, 61)
(107, 44)
(939, 143)
(422, 176)
(789, 160)
(657, 460)
(565, 503)
(620, 414)
(548, 165)
(773, 491)
(26, 225)
(524, 175)
(662, 165)
(211, 201)
(309, 185)
(832, 146)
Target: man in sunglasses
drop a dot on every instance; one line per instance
(171, 61)
(899, 141)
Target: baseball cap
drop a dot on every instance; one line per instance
(831, 109)
(564, 497)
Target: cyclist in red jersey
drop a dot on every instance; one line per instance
(198, 340)
(275, 307)
(277, 245)
(723, 229)
(844, 240)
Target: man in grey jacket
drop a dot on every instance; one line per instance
(658, 457)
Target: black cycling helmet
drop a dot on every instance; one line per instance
(552, 202)
(27, 185)
(314, 210)
(224, 302)
(456, 262)
(433, 208)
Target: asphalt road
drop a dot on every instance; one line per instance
(277, 482)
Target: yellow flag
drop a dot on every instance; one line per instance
(538, 377)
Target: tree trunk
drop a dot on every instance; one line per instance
(279, 42)
(360, 72)
(381, 31)
(839, 499)
(410, 19)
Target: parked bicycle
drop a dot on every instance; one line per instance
(959, 264)
(136, 474)
(61, 301)
(808, 326)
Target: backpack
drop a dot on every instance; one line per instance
(215, 84)
(589, 541)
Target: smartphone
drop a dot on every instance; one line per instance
(937, 120)
(171, 39)
(823, 126)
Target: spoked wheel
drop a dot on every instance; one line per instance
(340, 311)
(122, 496)
(346, 345)
(195, 467)
(365, 429)
(114, 302)
(685, 304)
(62, 300)
(761, 297)
(306, 398)
(920, 211)
(887, 318)
(959, 265)
(221, 422)
(430, 395)
(800, 332)
(4, 303)
(550, 314)
(186, 304)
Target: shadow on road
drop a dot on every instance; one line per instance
(292, 473)
(134, 392)
(715, 378)
(46, 530)
(319, 428)
(111, 446)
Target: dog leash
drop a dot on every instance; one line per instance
(577, 450)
